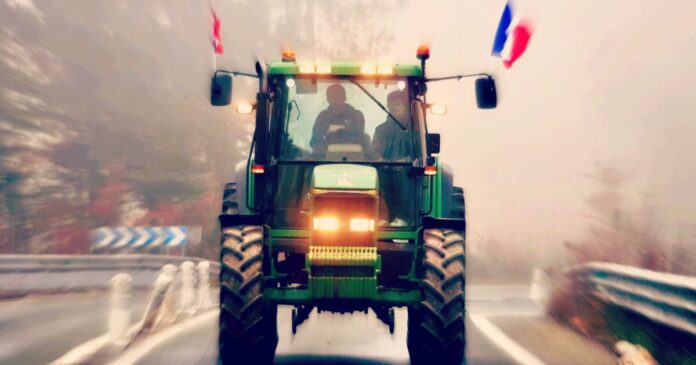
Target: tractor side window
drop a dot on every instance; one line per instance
(293, 137)
(419, 128)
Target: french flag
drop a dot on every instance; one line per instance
(512, 37)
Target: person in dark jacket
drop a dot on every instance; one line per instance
(339, 123)
(392, 143)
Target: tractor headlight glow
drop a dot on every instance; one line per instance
(438, 109)
(323, 68)
(306, 68)
(325, 224)
(401, 85)
(245, 108)
(368, 69)
(385, 69)
(361, 224)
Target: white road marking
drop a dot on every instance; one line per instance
(505, 343)
(82, 353)
(138, 351)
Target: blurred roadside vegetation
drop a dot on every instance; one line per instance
(104, 111)
(620, 235)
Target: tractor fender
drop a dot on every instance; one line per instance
(241, 174)
(447, 181)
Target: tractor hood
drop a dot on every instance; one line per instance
(344, 177)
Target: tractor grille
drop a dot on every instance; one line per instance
(343, 272)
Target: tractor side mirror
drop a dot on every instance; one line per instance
(433, 141)
(221, 90)
(486, 95)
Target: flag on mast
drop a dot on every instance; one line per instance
(217, 42)
(512, 36)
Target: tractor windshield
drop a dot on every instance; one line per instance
(327, 119)
(345, 119)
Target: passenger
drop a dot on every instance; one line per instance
(390, 142)
(339, 123)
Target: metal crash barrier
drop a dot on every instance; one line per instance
(665, 298)
(21, 274)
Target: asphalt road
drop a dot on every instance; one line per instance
(328, 338)
(39, 329)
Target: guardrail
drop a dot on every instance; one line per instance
(22, 274)
(664, 298)
(34, 263)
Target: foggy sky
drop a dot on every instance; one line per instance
(603, 83)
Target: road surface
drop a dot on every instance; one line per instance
(328, 338)
(39, 329)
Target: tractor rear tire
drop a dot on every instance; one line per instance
(436, 327)
(248, 325)
(229, 199)
(457, 205)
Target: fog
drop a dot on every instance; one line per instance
(603, 85)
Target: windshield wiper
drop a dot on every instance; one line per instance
(391, 116)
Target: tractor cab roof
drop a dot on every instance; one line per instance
(343, 69)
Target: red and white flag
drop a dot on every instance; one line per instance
(217, 43)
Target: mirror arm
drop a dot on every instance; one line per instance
(457, 77)
(236, 73)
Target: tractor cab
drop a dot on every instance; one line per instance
(349, 115)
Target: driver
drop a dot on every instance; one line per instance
(340, 122)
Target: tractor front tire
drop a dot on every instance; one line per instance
(248, 325)
(436, 327)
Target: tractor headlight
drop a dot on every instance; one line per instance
(361, 224)
(325, 224)
(343, 219)
(354, 224)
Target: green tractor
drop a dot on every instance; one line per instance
(342, 206)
